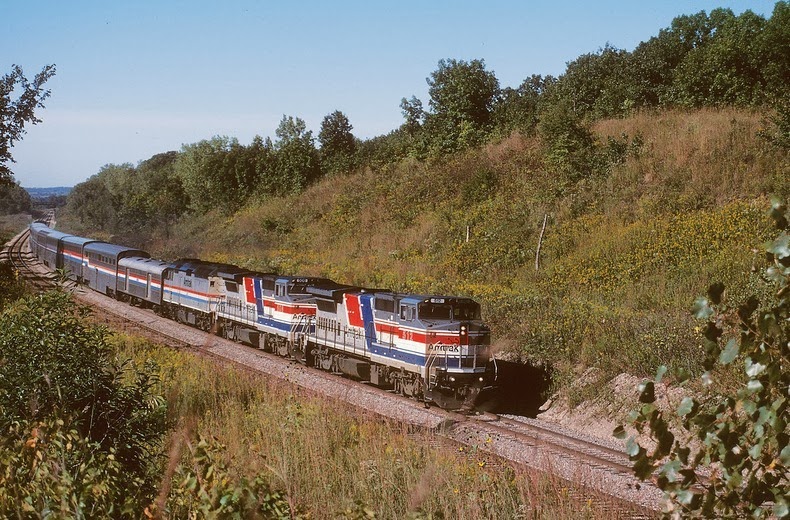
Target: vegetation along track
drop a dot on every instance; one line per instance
(601, 468)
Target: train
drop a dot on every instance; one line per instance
(434, 348)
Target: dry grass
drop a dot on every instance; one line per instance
(329, 456)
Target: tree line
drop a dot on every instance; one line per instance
(700, 60)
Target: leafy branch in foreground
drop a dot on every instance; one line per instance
(732, 457)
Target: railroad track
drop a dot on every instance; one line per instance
(603, 469)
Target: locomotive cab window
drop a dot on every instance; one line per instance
(466, 311)
(385, 305)
(406, 312)
(435, 311)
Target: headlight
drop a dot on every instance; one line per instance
(481, 379)
(452, 379)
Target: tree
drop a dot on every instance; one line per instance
(598, 84)
(728, 69)
(163, 198)
(13, 199)
(775, 46)
(16, 112)
(517, 109)
(207, 171)
(81, 428)
(462, 102)
(413, 113)
(741, 437)
(296, 159)
(338, 144)
(570, 144)
(91, 204)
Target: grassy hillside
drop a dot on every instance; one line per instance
(673, 201)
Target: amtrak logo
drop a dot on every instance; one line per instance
(441, 347)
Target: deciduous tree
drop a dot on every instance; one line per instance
(338, 144)
(19, 99)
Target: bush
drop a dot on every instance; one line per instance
(742, 439)
(93, 415)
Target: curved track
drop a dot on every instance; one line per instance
(602, 468)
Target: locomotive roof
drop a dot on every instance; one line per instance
(113, 250)
(332, 290)
(146, 265)
(204, 269)
(426, 298)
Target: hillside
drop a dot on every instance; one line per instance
(679, 204)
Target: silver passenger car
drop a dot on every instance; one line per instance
(140, 280)
(100, 265)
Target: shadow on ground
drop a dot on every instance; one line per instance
(521, 390)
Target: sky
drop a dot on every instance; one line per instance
(137, 78)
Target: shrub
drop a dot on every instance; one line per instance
(59, 377)
(741, 438)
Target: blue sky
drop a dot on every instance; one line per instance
(136, 78)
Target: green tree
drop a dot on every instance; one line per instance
(517, 109)
(728, 68)
(570, 144)
(462, 101)
(163, 199)
(90, 204)
(296, 158)
(742, 437)
(413, 113)
(19, 99)
(338, 144)
(598, 84)
(207, 172)
(13, 199)
(775, 46)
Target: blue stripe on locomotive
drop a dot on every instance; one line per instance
(366, 308)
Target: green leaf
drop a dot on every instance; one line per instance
(632, 447)
(660, 373)
(756, 450)
(729, 353)
(619, 432)
(687, 406)
(682, 375)
(701, 309)
(753, 369)
(684, 496)
(780, 247)
(780, 508)
(784, 455)
(754, 385)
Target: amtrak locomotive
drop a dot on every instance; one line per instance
(434, 348)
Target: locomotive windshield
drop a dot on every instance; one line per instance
(297, 288)
(447, 311)
(466, 311)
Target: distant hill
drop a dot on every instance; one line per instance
(43, 193)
